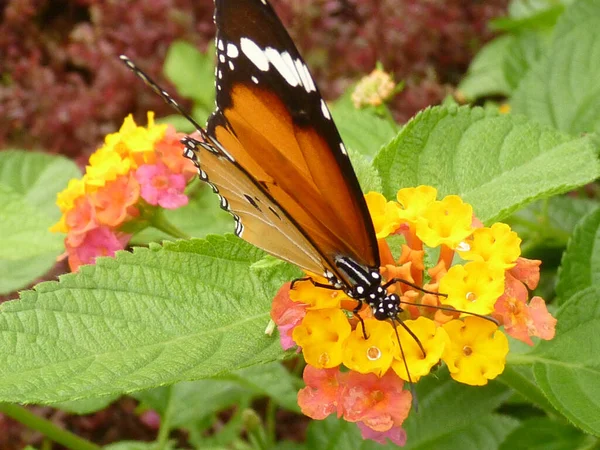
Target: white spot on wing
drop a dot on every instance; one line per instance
(222, 58)
(231, 65)
(276, 59)
(253, 78)
(220, 45)
(232, 51)
(343, 149)
(324, 110)
(254, 54)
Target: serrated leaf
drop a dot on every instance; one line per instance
(192, 73)
(486, 76)
(453, 412)
(361, 129)
(367, 175)
(563, 89)
(497, 163)
(543, 433)
(567, 368)
(38, 177)
(188, 310)
(580, 267)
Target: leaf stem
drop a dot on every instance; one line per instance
(47, 428)
(270, 421)
(165, 423)
(159, 221)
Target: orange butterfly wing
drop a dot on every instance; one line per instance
(272, 124)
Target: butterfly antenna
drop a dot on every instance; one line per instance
(410, 381)
(160, 91)
(446, 308)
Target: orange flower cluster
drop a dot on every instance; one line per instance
(136, 169)
(463, 270)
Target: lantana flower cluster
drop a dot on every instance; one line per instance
(469, 288)
(137, 169)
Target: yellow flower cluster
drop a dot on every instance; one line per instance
(469, 278)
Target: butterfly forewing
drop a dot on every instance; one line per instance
(272, 122)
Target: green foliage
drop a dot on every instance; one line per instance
(145, 319)
(439, 425)
(181, 326)
(29, 183)
(496, 163)
(362, 130)
(544, 433)
(193, 73)
(562, 89)
(580, 268)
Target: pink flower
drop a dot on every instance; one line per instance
(100, 241)
(319, 398)
(286, 314)
(397, 435)
(380, 403)
(160, 186)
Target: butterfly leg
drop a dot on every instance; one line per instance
(315, 283)
(362, 322)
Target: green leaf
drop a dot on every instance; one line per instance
(188, 402)
(452, 415)
(38, 177)
(188, 310)
(367, 175)
(521, 379)
(549, 223)
(486, 76)
(333, 434)
(567, 368)
(563, 90)
(193, 73)
(29, 183)
(272, 380)
(28, 248)
(361, 129)
(497, 163)
(524, 51)
(531, 16)
(543, 433)
(580, 266)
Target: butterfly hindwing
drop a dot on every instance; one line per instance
(272, 122)
(258, 219)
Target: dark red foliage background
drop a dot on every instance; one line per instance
(62, 88)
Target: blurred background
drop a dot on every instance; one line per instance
(62, 87)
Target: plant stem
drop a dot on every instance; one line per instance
(270, 422)
(47, 428)
(160, 222)
(165, 423)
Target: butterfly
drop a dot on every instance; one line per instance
(274, 156)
